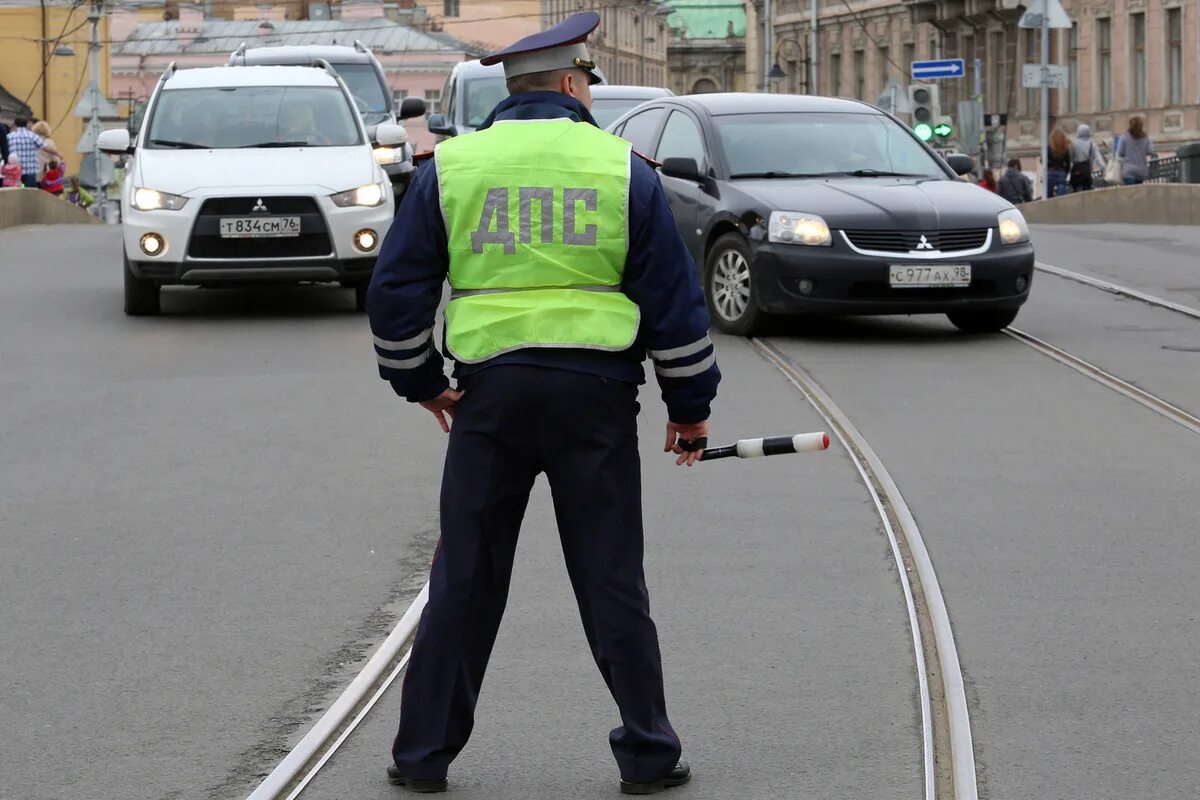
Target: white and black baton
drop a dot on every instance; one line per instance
(767, 446)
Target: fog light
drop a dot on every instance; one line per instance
(1022, 283)
(365, 240)
(153, 244)
(805, 285)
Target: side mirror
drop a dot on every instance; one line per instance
(960, 163)
(115, 142)
(684, 168)
(412, 107)
(440, 125)
(388, 135)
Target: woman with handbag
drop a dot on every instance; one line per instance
(1058, 162)
(1085, 157)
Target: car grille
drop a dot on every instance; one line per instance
(313, 241)
(908, 241)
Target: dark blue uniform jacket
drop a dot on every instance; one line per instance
(659, 276)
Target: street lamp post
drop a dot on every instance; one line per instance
(777, 72)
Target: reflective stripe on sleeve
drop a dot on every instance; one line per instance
(688, 371)
(405, 344)
(682, 351)
(407, 363)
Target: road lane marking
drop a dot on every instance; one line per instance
(328, 732)
(1116, 288)
(1090, 370)
(887, 498)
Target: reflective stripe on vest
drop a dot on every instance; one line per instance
(536, 216)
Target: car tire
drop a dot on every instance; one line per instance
(729, 287)
(141, 296)
(988, 320)
(360, 296)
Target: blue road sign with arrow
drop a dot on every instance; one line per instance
(941, 68)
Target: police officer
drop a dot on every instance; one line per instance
(565, 267)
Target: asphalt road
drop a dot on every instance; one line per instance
(202, 532)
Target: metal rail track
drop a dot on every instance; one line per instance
(949, 758)
(1117, 289)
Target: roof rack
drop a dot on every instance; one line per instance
(360, 47)
(239, 53)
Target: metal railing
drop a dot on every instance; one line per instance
(1162, 170)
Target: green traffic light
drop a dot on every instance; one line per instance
(943, 130)
(923, 132)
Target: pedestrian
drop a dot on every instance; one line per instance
(11, 172)
(1058, 162)
(1134, 151)
(49, 149)
(77, 195)
(988, 181)
(565, 266)
(1014, 185)
(1085, 159)
(52, 181)
(25, 143)
(4, 129)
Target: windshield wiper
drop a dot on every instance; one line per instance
(180, 145)
(770, 175)
(870, 173)
(275, 144)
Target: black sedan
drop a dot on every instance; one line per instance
(811, 205)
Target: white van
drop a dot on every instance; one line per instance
(251, 175)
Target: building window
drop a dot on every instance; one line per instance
(1104, 38)
(398, 96)
(1073, 68)
(885, 68)
(450, 8)
(860, 74)
(835, 74)
(433, 101)
(910, 55)
(1137, 57)
(1174, 55)
(1033, 55)
(998, 88)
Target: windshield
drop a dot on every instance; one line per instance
(480, 96)
(820, 144)
(253, 116)
(606, 111)
(363, 82)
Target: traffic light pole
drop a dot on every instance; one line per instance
(1045, 102)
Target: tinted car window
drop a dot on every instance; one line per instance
(681, 139)
(480, 96)
(640, 129)
(253, 116)
(365, 88)
(820, 144)
(606, 110)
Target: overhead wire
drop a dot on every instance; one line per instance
(51, 45)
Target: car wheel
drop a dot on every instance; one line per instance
(729, 288)
(360, 296)
(986, 321)
(141, 296)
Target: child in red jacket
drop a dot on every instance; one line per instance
(52, 181)
(11, 172)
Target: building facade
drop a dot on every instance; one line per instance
(415, 62)
(707, 48)
(1125, 58)
(630, 45)
(44, 64)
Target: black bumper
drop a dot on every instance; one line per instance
(846, 282)
(202, 273)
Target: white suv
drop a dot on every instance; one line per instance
(251, 175)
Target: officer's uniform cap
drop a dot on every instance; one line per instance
(559, 47)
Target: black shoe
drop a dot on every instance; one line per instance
(396, 778)
(681, 774)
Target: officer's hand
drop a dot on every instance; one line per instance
(442, 405)
(684, 430)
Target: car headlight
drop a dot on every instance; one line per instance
(369, 195)
(1013, 228)
(798, 227)
(388, 155)
(154, 200)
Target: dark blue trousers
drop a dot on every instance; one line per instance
(512, 423)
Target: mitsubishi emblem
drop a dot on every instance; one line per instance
(258, 206)
(921, 245)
